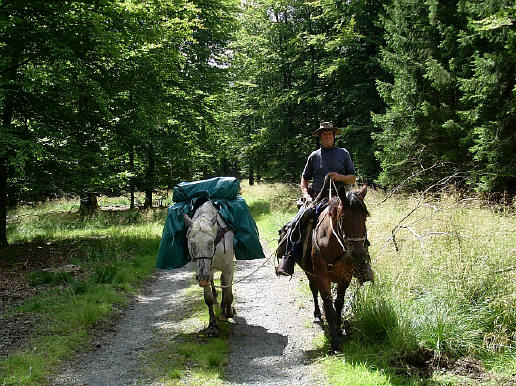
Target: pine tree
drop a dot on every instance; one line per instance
(489, 93)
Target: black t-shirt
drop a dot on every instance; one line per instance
(322, 161)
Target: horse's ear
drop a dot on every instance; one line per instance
(362, 192)
(188, 220)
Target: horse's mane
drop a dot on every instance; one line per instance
(202, 219)
(356, 203)
(206, 209)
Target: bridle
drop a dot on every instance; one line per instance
(343, 239)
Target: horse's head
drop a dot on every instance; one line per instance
(352, 214)
(201, 234)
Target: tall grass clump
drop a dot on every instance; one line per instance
(448, 270)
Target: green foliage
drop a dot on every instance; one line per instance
(105, 96)
(290, 73)
(136, 96)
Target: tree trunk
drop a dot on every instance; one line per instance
(7, 117)
(148, 198)
(131, 169)
(251, 175)
(3, 203)
(150, 178)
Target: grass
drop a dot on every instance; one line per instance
(116, 252)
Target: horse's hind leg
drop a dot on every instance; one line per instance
(315, 292)
(209, 299)
(226, 279)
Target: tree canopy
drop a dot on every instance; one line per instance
(117, 96)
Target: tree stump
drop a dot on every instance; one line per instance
(89, 204)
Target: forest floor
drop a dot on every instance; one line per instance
(15, 287)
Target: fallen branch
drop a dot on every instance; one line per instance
(420, 203)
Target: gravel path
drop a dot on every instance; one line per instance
(117, 356)
(273, 331)
(271, 340)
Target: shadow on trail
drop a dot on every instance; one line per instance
(260, 346)
(260, 207)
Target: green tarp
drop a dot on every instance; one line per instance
(223, 192)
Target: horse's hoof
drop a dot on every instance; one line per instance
(213, 331)
(230, 312)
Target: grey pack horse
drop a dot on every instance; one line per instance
(210, 245)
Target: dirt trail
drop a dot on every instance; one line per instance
(271, 338)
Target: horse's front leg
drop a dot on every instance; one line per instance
(331, 315)
(315, 292)
(226, 280)
(339, 304)
(210, 300)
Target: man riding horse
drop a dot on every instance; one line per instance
(329, 165)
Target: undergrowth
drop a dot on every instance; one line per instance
(114, 253)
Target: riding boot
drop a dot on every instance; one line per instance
(286, 266)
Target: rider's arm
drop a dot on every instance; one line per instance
(304, 189)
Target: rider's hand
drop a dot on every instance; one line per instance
(307, 198)
(334, 176)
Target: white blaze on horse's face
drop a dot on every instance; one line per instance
(202, 231)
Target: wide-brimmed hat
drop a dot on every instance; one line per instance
(326, 126)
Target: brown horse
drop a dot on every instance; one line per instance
(339, 245)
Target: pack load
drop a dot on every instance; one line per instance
(223, 193)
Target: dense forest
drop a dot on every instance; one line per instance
(122, 96)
